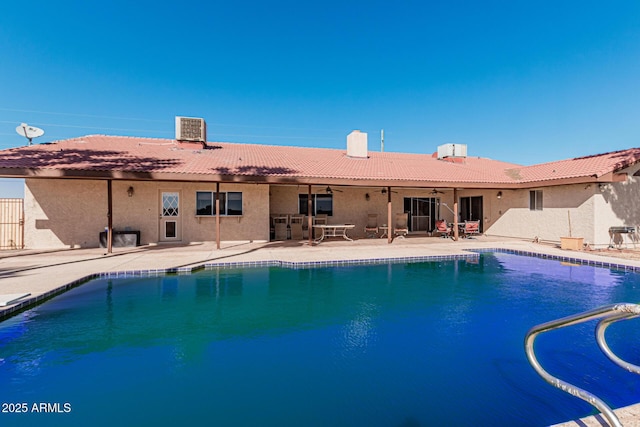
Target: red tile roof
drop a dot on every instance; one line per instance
(594, 166)
(97, 155)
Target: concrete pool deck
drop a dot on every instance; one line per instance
(46, 273)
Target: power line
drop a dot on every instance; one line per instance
(163, 121)
(80, 115)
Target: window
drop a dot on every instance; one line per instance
(230, 203)
(535, 200)
(320, 204)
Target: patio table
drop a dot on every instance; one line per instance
(333, 230)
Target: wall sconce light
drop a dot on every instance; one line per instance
(499, 195)
(130, 191)
(367, 197)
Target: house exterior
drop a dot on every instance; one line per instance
(166, 189)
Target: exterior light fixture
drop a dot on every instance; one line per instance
(130, 191)
(499, 195)
(367, 197)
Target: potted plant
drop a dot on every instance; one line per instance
(571, 243)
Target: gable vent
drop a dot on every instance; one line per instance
(191, 129)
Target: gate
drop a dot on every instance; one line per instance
(11, 224)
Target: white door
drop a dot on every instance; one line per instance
(170, 223)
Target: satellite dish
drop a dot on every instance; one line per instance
(29, 132)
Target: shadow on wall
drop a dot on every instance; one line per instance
(623, 199)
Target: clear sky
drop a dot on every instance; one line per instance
(524, 82)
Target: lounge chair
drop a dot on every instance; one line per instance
(400, 228)
(371, 230)
(443, 228)
(471, 228)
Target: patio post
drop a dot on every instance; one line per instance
(109, 217)
(389, 223)
(310, 218)
(455, 214)
(217, 215)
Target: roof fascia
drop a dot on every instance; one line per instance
(352, 182)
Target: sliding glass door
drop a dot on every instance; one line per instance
(471, 209)
(423, 212)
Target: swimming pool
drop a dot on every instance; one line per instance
(415, 344)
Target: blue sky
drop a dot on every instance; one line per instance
(524, 82)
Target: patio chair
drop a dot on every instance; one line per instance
(471, 228)
(443, 228)
(280, 224)
(371, 230)
(400, 228)
(296, 226)
(321, 219)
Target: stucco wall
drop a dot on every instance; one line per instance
(511, 216)
(350, 205)
(64, 213)
(617, 204)
(71, 213)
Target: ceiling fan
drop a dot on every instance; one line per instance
(435, 192)
(384, 191)
(330, 190)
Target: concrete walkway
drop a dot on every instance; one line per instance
(45, 274)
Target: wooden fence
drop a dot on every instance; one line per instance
(11, 224)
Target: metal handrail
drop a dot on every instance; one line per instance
(609, 314)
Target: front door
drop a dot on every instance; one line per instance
(170, 224)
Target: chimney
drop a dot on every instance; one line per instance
(357, 145)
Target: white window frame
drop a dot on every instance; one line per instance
(535, 200)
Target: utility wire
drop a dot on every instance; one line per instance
(80, 115)
(168, 132)
(163, 121)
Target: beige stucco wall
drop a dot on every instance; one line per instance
(71, 213)
(64, 213)
(617, 204)
(350, 205)
(511, 216)
(592, 208)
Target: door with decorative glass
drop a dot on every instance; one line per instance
(170, 223)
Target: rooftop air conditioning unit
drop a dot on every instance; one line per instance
(191, 129)
(452, 150)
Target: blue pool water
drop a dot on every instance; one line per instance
(418, 344)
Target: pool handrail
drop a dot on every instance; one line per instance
(609, 314)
